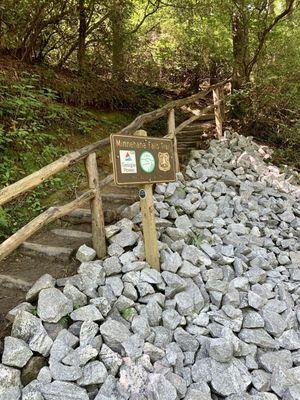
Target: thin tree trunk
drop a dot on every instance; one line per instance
(81, 53)
(241, 56)
(118, 41)
(240, 40)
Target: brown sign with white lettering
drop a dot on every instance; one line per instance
(140, 160)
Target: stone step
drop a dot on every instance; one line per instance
(70, 233)
(59, 253)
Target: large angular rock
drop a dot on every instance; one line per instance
(230, 378)
(16, 352)
(87, 313)
(63, 391)
(258, 337)
(53, 305)
(270, 360)
(78, 298)
(85, 253)
(281, 380)
(44, 282)
(184, 303)
(110, 359)
(133, 379)
(125, 238)
(274, 323)
(220, 350)
(114, 334)
(290, 340)
(80, 356)
(195, 256)
(10, 383)
(159, 388)
(30, 329)
(185, 341)
(94, 373)
(66, 373)
(292, 393)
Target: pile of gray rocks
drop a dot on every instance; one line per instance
(221, 319)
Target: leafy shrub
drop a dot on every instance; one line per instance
(33, 130)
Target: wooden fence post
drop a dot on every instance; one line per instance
(98, 225)
(172, 133)
(218, 96)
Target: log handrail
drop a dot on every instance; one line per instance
(93, 195)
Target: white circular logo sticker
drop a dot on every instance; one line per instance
(147, 162)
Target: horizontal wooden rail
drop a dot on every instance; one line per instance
(193, 119)
(43, 219)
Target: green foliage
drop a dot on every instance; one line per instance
(128, 313)
(33, 131)
(197, 237)
(65, 321)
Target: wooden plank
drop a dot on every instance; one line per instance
(149, 228)
(37, 223)
(98, 225)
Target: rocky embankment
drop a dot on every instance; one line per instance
(221, 320)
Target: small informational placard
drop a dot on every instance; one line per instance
(140, 160)
(128, 161)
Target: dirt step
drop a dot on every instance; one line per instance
(199, 127)
(188, 142)
(9, 282)
(72, 233)
(83, 216)
(124, 197)
(205, 117)
(58, 253)
(183, 147)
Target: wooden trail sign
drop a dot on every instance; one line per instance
(143, 161)
(140, 160)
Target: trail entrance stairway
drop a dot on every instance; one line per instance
(52, 250)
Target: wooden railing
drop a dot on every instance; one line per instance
(88, 155)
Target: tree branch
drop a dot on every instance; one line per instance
(263, 35)
(147, 14)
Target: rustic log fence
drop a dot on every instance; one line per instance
(88, 155)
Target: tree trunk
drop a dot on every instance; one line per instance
(81, 53)
(241, 56)
(240, 40)
(118, 39)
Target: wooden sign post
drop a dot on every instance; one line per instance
(148, 220)
(143, 161)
